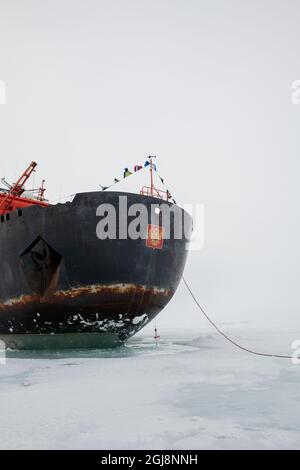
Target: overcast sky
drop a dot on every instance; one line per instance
(96, 85)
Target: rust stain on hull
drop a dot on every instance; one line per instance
(121, 308)
(115, 289)
(115, 294)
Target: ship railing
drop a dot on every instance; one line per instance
(147, 191)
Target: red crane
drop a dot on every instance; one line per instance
(17, 189)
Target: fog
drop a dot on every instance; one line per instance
(93, 87)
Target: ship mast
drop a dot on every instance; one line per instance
(41, 192)
(151, 173)
(151, 190)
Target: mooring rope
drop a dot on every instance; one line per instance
(251, 351)
(225, 336)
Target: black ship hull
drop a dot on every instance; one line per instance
(61, 286)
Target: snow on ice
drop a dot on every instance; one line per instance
(192, 391)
